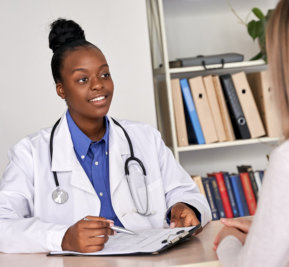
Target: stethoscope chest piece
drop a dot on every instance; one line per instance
(59, 196)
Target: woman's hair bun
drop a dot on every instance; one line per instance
(63, 32)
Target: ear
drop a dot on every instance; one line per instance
(60, 90)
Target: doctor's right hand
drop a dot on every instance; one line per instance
(87, 235)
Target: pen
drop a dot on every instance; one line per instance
(117, 228)
(122, 230)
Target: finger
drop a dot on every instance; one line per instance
(97, 241)
(242, 224)
(94, 224)
(172, 225)
(175, 216)
(216, 241)
(100, 232)
(92, 248)
(179, 222)
(194, 220)
(189, 220)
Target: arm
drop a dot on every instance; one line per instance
(179, 187)
(238, 228)
(21, 231)
(267, 243)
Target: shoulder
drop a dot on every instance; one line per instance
(277, 172)
(280, 153)
(26, 144)
(139, 128)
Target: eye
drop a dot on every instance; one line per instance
(105, 75)
(83, 80)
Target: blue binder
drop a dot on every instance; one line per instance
(210, 197)
(239, 195)
(231, 194)
(191, 115)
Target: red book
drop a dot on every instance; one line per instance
(224, 194)
(248, 191)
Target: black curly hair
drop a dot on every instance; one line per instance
(65, 35)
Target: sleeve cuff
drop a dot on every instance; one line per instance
(228, 250)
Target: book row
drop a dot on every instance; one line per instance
(231, 195)
(224, 108)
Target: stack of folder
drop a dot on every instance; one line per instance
(224, 108)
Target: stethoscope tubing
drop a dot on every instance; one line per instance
(126, 169)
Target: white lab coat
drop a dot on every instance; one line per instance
(30, 221)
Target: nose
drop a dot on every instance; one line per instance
(96, 84)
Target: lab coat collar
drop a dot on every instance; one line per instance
(118, 153)
(63, 152)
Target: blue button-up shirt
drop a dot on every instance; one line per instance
(94, 159)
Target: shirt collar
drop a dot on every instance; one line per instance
(81, 141)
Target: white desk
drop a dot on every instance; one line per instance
(197, 252)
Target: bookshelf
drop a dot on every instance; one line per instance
(163, 97)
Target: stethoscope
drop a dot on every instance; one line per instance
(60, 196)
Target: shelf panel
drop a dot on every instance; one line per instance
(233, 65)
(230, 144)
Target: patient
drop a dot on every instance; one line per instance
(266, 241)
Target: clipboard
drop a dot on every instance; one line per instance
(146, 242)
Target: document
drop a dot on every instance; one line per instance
(152, 241)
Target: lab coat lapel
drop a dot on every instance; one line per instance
(118, 152)
(65, 160)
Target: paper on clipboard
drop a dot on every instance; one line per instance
(150, 241)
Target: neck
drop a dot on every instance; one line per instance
(94, 129)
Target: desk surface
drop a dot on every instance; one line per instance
(195, 252)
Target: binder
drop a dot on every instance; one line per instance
(195, 134)
(211, 198)
(231, 194)
(216, 193)
(248, 105)
(249, 170)
(238, 119)
(214, 107)
(203, 109)
(198, 181)
(179, 113)
(201, 60)
(248, 192)
(230, 136)
(239, 195)
(223, 193)
(260, 84)
(150, 241)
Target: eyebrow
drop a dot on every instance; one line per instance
(83, 69)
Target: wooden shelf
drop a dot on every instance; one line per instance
(261, 140)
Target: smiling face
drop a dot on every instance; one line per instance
(86, 84)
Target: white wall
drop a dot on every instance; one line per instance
(28, 98)
(207, 27)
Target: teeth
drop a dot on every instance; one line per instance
(97, 99)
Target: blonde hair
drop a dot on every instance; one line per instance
(277, 42)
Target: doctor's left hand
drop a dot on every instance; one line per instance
(87, 235)
(183, 216)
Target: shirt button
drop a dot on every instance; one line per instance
(82, 156)
(106, 153)
(96, 163)
(101, 194)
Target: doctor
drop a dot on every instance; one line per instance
(56, 178)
